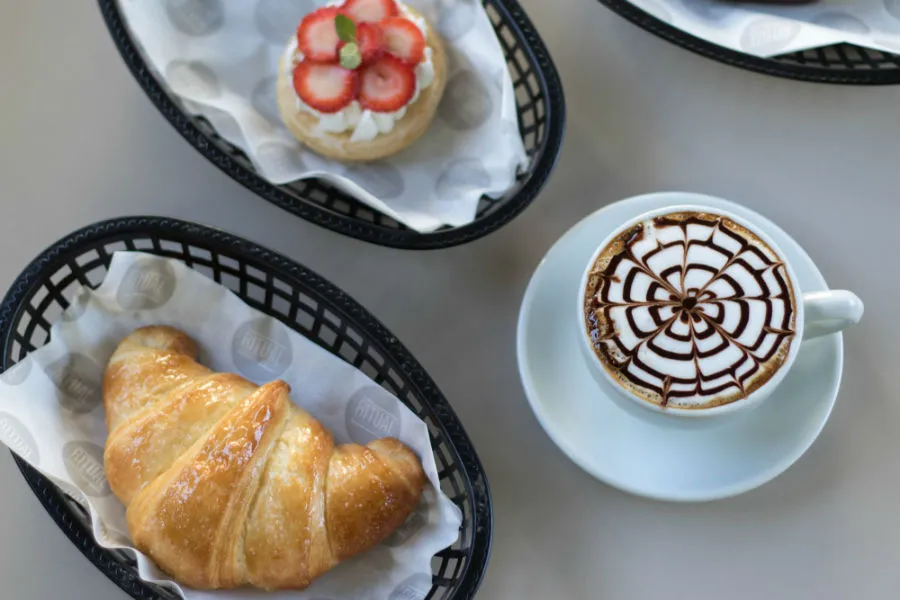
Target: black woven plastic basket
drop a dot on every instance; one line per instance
(842, 64)
(301, 300)
(541, 116)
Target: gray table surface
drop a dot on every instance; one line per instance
(79, 142)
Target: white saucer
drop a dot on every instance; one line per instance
(685, 465)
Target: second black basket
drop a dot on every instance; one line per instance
(541, 116)
(841, 64)
(301, 300)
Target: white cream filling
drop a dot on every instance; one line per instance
(366, 124)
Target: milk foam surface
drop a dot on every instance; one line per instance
(690, 310)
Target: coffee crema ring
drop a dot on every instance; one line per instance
(690, 310)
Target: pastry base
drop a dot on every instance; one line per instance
(338, 145)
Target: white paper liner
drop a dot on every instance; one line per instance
(51, 413)
(766, 30)
(222, 58)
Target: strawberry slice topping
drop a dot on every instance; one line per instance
(387, 85)
(370, 11)
(317, 37)
(326, 88)
(404, 40)
(371, 42)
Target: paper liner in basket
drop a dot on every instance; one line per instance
(767, 30)
(222, 58)
(51, 413)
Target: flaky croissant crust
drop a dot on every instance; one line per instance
(230, 484)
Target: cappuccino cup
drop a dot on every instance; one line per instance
(689, 313)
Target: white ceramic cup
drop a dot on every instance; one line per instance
(816, 314)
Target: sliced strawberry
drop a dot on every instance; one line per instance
(370, 11)
(326, 88)
(370, 38)
(404, 40)
(317, 36)
(387, 85)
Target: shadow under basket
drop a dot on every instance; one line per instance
(838, 64)
(540, 106)
(304, 302)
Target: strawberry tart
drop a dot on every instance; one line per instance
(362, 79)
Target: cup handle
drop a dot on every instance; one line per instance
(829, 312)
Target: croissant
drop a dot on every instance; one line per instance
(229, 484)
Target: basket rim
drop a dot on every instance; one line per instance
(734, 58)
(57, 254)
(547, 154)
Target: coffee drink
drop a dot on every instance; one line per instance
(690, 310)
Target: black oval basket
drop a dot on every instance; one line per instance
(301, 300)
(841, 64)
(541, 116)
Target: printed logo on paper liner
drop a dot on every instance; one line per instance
(71, 491)
(372, 414)
(84, 464)
(265, 103)
(193, 79)
(196, 18)
(79, 381)
(280, 157)
(768, 35)
(460, 177)
(413, 588)
(466, 104)
(77, 307)
(710, 10)
(17, 437)
(893, 7)
(277, 20)
(149, 283)
(261, 349)
(456, 18)
(109, 536)
(379, 178)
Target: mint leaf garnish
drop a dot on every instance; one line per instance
(346, 28)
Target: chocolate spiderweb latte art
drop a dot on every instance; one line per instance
(690, 310)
